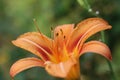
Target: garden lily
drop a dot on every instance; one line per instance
(60, 55)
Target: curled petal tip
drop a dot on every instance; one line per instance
(110, 27)
(24, 64)
(110, 57)
(97, 47)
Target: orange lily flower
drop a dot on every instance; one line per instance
(60, 56)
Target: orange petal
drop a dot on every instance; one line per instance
(61, 69)
(85, 29)
(24, 64)
(62, 33)
(96, 47)
(36, 43)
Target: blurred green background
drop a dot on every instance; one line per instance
(16, 18)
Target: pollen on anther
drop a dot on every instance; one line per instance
(64, 37)
(61, 31)
(57, 34)
(51, 28)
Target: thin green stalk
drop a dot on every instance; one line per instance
(111, 68)
(109, 63)
(102, 36)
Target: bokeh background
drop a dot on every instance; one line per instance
(16, 18)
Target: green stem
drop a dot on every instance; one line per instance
(111, 68)
(102, 36)
(109, 63)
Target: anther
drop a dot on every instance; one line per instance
(51, 28)
(61, 31)
(57, 34)
(64, 37)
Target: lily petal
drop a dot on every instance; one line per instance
(85, 29)
(96, 47)
(36, 43)
(24, 64)
(61, 69)
(62, 33)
